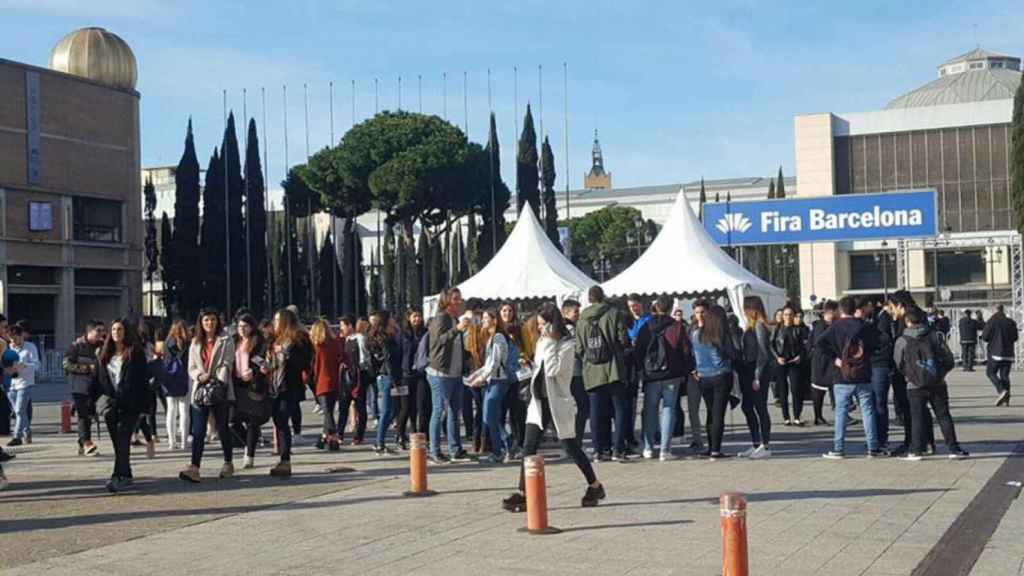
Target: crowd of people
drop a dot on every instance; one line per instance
(504, 379)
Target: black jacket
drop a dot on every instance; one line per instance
(410, 344)
(822, 370)
(838, 335)
(80, 365)
(387, 355)
(756, 345)
(1001, 334)
(889, 330)
(132, 395)
(969, 330)
(786, 343)
(679, 359)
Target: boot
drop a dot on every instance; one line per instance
(227, 470)
(190, 474)
(282, 470)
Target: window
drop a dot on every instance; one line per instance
(40, 216)
(97, 277)
(977, 65)
(996, 65)
(97, 220)
(32, 275)
(868, 273)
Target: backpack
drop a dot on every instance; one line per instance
(175, 381)
(921, 366)
(422, 359)
(656, 355)
(854, 365)
(597, 349)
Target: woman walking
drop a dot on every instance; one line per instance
(386, 351)
(495, 377)
(291, 356)
(418, 402)
(753, 370)
(176, 383)
(252, 403)
(514, 405)
(352, 398)
(123, 378)
(788, 350)
(210, 362)
(714, 353)
(551, 396)
(327, 354)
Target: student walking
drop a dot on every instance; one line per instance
(551, 396)
(923, 358)
(386, 351)
(969, 328)
(122, 377)
(327, 355)
(714, 353)
(753, 368)
(1001, 335)
(291, 357)
(80, 365)
(252, 402)
(447, 365)
(176, 384)
(494, 377)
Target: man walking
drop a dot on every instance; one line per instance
(448, 364)
(968, 341)
(80, 366)
(1001, 336)
(849, 344)
(601, 341)
(23, 378)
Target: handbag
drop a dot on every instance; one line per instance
(213, 393)
(251, 405)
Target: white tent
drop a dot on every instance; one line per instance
(527, 266)
(684, 260)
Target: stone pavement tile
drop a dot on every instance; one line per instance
(900, 558)
(998, 563)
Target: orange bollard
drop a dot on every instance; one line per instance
(536, 497)
(734, 534)
(65, 417)
(418, 466)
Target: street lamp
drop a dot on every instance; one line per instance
(992, 258)
(882, 259)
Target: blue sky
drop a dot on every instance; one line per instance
(678, 90)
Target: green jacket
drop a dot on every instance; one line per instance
(612, 323)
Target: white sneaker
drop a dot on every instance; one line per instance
(317, 409)
(648, 453)
(247, 463)
(748, 453)
(761, 453)
(667, 456)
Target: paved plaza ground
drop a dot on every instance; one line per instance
(806, 515)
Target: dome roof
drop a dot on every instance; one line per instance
(976, 76)
(98, 55)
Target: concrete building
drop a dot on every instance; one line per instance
(953, 135)
(70, 200)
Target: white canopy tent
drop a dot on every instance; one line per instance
(684, 260)
(528, 266)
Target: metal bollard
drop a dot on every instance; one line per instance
(65, 417)
(734, 534)
(536, 497)
(418, 466)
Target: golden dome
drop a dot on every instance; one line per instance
(98, 55)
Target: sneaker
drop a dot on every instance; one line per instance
(602, 457)
(719, 456)
(491, 460)
(958, 453)
(900, 451)
(15, 442)
(761, 453)
(227, 471)
(930, 449)
(282, 470)
(190, 474)
(439, 459)
(514, 503)
(667, 456)
(317, 409)
(117, 484)
(696, 448)
(592, 496)
(620, 456)
(247, 463)
(1004, 396)
(833, 455)
(912, 457)
(879, 453)
(648, 454)
(383, 451)
(320, 444)
(5, 456)
(333, 446)
(461, 456)
(798, 422)
(91, 449)
(749, 452)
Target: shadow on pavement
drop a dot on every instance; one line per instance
(778, 496)
(627, 525)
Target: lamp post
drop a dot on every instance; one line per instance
(992, 258)
(883, 258)
(640, 239)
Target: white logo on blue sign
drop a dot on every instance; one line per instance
(734, 222)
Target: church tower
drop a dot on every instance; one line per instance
(597, 178)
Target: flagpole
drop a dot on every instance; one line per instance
(355, 231)
(268, 275)
(311, 303)
(490, 159)
(334, 227)
(565, 82)
(419, 83)
(515, 134)
(287, 209)
(380, 251)
(248, 209)
(227, 214)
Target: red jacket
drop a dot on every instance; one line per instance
(327, 366)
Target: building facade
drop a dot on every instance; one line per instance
(70, 201)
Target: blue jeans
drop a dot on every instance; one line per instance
(384, 398)
(372, 401)
(494, 397)
(606, 400)
(20, 401)
(880, 398)
(668, 394)
(845, 393)
(445, 390)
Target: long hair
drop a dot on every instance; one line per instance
(513, 329)
(256, 339)
(379, 333)
(715, 326)
(362, 326)
(286, 331)
(753, 309)
(131, 342)
(409, 328)
(179, 331)
(497, 326)
(320, 333)
(553, 318)
(445, 299)
(200, 336)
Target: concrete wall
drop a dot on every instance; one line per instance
(821, 266)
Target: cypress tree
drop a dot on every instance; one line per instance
(185, 285)
(423, 262)
(526, 167)
(1017, 156)
(236, 224)
(547, 171)
(437, 269)
(256, 223)
(472, 245)
(152, 242)
(780, 185)
(389, 294)
(702, 201)
(166, 242)
(327, 268)
(771, 189)
(213, 236)
(493, 216)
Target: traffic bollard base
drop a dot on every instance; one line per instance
(542, 532)
(421, 494)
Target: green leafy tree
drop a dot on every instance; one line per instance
(376, 290)
(1017, 156)
(186, 287)
(214, 236)
(256, 223)
(527, 189)
(166, 242)
(609, 236)
(547, 173)
(152, 242)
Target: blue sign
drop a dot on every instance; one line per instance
(910, 214)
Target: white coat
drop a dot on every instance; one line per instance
(221, 365)
(557, 358)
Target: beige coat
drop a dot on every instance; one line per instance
(221, 366)
(558, 358)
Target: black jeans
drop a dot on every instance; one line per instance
(901, 403)
(715, 391)
(516, 410)
(281, 411)
(693, 397)
(998, 372)
(755, 405)
(967, 352)
(345, 402)
(632, 393)
(789, 381)
(818, 397)
(417, 416)
(120, 427)
(571, 446)
(605, 401)
(473, 413)
(579, 393)
(86, 413)
(938, 397)
(327, 403)
(200, 414)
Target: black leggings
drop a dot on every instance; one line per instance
(715, 391)
(789, 380)
(818, 396)
(571, 446)
(473, 419)
(345, 402)
(755, 405)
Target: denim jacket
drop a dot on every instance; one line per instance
(711, 360)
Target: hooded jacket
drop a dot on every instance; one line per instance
(835, 338)
(680, 352)
(612, 323)
(968, 330)
(1001, 334)
(822, 370)
(941, 351)
(80, 365)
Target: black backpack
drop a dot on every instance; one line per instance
(854, 364)
(921, 364)
(597, 349)
(656, 355)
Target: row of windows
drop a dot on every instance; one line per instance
(968, 167)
